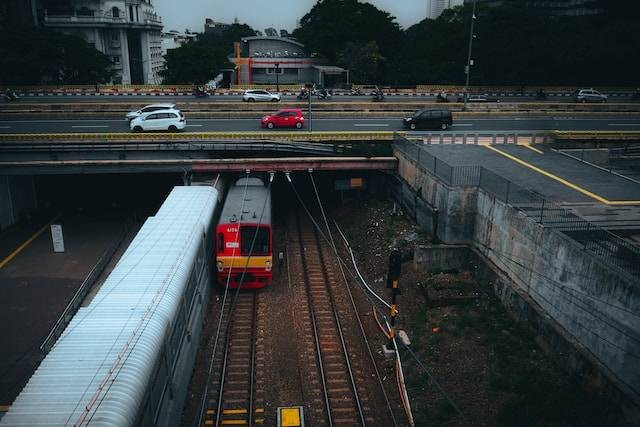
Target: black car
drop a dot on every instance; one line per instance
(429, 119)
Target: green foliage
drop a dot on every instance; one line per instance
(336, 28)
(201, 59)
(362, 59)
(514, 46)
(38, 55)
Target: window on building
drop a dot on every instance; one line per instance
(131, 13)
(280, 70)
(114, 37)
(115, 12)
(115, 59)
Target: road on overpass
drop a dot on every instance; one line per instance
(53, 98)
(471, 125)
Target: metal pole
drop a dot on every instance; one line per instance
(277, 77)
(310, 119)
(393, 277)
(467, 69)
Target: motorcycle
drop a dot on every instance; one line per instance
(323, 94)
(442, 97)
(201, 93)
(541, 95)
(303, 95)
(378, 96)
(355, 92)
(10, 96)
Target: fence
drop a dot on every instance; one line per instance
(606, 245)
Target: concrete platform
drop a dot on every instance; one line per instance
(37, 284)
(608, 200)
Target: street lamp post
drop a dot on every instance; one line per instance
(467, 68)
(277, 78)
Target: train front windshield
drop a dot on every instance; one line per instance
(261, 245)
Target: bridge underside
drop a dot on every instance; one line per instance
(275, 164)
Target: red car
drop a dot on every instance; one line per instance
(289, 117)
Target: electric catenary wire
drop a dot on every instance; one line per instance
(220, 318)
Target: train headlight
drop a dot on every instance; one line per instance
(267, 265)
(220, 266)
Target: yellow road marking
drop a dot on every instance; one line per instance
(532, 148)
(234, 411)
(19, 249)
(564, 181)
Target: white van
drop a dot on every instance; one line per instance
(169, 120)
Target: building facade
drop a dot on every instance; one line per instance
(550, 7)
(259, 60)
(436, 7)
(127, 31)
(213, 27)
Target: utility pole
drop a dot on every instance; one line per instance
(393, 277)
(467, 68)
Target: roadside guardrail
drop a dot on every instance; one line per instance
(201, 136)
(449, 137)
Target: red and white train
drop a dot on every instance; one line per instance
(243, 237)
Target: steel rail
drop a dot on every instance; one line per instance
(228, 348)
(308, 248)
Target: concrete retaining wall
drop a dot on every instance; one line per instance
(595, 306)
(17, 199)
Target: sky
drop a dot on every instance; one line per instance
(260, 14)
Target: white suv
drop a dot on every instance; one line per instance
(252, 95)
(590, 95)
(169, 120)
(148, 109)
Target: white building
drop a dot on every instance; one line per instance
(173, 39)
(127, 31)
(436, 7)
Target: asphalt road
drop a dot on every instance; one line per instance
(285, 98)
(371, 124)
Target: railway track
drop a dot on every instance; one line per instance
(342, 394)
(235, 397)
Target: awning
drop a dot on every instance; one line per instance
(329, 69)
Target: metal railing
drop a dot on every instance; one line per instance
(606, 245)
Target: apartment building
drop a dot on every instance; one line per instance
(127, 31)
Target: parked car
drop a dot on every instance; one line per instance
(479, 98)
(253, 95)
(148, 109)
(590, 95)
(290, 117)
(169, 120)
(429, 119)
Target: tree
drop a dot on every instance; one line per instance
(200, 60)
(362, 59)
(34, 56)
(333, 24)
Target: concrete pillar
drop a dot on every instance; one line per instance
(124, 48)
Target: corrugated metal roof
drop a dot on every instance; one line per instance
(105, 356)
(253, 210)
